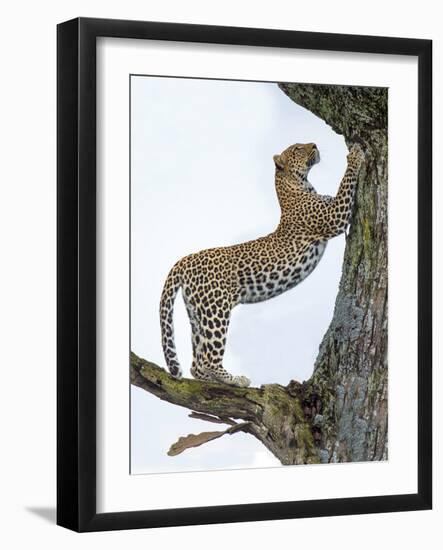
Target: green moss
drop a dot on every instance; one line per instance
(286, 423)
(367, 237)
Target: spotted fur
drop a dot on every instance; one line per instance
(214, 281)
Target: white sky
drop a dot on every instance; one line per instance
(202, 175)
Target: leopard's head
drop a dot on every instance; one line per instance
(297, 159)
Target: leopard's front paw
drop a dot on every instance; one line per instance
(356, 154)
(241, 381)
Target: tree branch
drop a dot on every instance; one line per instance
(274, 413)
(197, 395)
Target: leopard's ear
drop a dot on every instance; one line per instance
(278, 162)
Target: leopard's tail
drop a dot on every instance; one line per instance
(170, 289)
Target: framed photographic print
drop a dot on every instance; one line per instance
(244, 274)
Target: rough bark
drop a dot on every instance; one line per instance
(340, 413)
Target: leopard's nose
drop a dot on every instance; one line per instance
(312, 145)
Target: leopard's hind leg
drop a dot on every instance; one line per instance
(209, 326)
(196, 368)
(213, 328)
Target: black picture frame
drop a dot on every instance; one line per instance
(76, 279)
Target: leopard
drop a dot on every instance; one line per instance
(215, 280)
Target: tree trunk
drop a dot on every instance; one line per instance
(340, 413)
